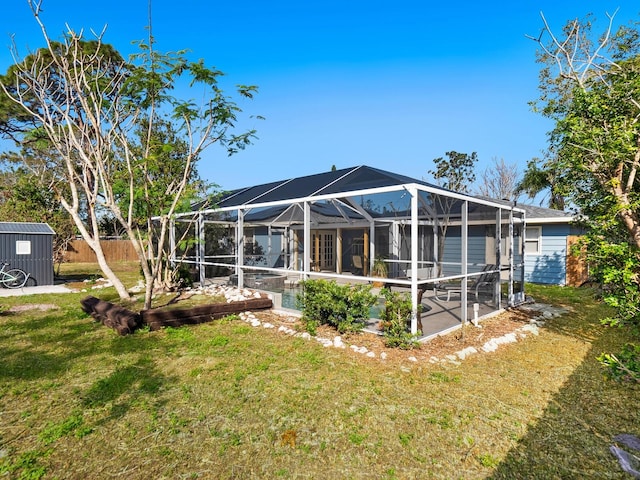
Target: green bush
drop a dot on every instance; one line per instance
(345, 307)
(616, 265)
(396, 318)
(624, 366)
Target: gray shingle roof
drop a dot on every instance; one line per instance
(534, 212)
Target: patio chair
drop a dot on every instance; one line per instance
(480, 283)
(356, 262)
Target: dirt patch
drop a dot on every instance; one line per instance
(508, 322)
(43, 307)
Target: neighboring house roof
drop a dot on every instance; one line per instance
(27, 228)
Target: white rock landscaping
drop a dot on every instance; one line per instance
(231, 294)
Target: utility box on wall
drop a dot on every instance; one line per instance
(28, 246)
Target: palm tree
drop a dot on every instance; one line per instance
(537, 179)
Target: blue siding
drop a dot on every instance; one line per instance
(476, 250)
(550, 266)
(451, 255)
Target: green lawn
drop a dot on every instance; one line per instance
(226, 400)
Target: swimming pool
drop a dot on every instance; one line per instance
(289, 296)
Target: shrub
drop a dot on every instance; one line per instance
(624, 366)
(395, 320)
(344, 307)
(617, 266)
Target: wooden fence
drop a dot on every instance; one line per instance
(114, 250)
(577, 268)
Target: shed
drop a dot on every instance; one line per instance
(28, 246)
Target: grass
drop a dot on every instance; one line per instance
(224, 400)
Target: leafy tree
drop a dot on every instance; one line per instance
(590, 87)
(454, 172)
(124, 144)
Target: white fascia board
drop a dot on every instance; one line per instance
(547, 220)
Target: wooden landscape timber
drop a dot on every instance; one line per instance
(157, 318)
(114, 316)
(125, 321)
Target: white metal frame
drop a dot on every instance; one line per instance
(412, 189)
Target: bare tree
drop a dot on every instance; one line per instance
(500, 180)
(589, 86)
(88, 105)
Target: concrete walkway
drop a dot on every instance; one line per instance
(15, 292)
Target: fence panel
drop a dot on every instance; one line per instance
(114, 251)
(577, 268)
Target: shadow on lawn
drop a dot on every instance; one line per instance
(572, 438)
(43, 346)
(123, 388)
(47, 346)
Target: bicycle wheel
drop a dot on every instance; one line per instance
(15, 278)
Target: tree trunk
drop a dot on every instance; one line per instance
(94, 244)
(123, 293)
(631, 222)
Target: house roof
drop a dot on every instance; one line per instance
(27, 228)
(536, 214)
(328, 183)
(345, 196)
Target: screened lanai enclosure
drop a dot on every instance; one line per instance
(459, 257)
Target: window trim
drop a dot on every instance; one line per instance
(23, 247)
(537, 240)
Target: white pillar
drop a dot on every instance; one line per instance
(172, 241)
(498, 247)
(240, 249)
(464, 256)
(395, 245)
(269, 247)
(307, 240)
(511, 302)
(414, 259)
(339, 250)
(201, 250)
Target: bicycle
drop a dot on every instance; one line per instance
(14, 278)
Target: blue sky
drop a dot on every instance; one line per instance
(391, 85)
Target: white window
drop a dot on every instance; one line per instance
(23, 247)
(533, 241)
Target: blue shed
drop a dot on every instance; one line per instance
(28, 246)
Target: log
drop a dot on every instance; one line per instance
(125, 321)
(159, 318)
(114, 316)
